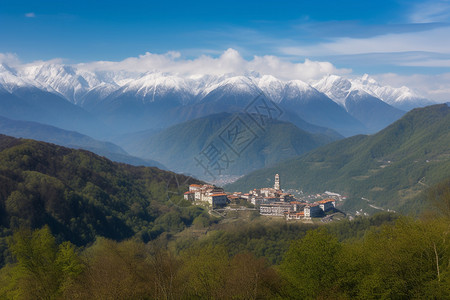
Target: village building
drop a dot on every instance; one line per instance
(190, 196)
(278, 209)
(206, 194)
(269, 195)
(295, 215)
(270, 201)
(312, 211)
(276, 186)
(327, 204)
(298, 206)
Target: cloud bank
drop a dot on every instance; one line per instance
(434, 87)
(428, 41)
(431, 11)
(230, 61)
(10, 59)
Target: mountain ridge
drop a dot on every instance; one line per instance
(70, 139)
(129, 102)
(390, 168)
(179, 145)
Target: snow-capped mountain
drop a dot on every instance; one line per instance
(135, 101)
(76, 83)
(374, 113)
(154, 87)
(11, 81)
(337, 88)
(70, 82)
(403, 98)
(272, 87)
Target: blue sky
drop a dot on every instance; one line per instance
(376, 37)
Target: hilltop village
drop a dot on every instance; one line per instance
(271, 201)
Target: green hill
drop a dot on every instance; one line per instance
(81, 195)
(389, 169)
(178, 147)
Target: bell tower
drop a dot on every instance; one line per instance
(277, 182)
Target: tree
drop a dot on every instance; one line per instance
(251, 278)
(205, 271)
(114, 271)
(43, 270)
(309, 266)
(407, 260)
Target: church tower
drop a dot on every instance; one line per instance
(277, 182)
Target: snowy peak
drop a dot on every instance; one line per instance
(299, 86)
(66, 80)
(335, 87)
(153, 87)
(80, 85)
(272, 87)
(339, 89)
(234, 85)
(10, 81)
(299, 91)
(7, 69)
(403, 97)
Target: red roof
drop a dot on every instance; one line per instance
(325, 201)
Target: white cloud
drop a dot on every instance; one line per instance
(431, 11)
(430, 41)
(10, 59)
(30, 15)
(230, 61)
(434, 40)
(434, 87)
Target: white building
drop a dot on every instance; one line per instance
(327, 204)
(276, 186)
(207, 194)
(275, 209)
(190, 196)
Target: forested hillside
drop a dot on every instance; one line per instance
(81, 196)
(77, 226)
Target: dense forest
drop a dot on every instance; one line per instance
(384, 256)
(401, 259)
(78, 226)
(80, 195)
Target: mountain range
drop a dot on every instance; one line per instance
(180, 147)
(72, 139)
(74, 97)
(387, 170)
